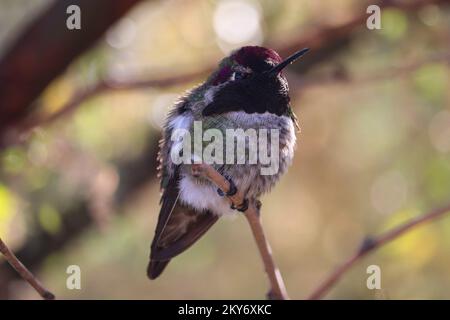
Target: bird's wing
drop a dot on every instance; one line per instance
(179, 226)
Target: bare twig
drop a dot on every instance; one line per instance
(277, 290)
(106, 85)
(372, 244)
(389, 73)
(24, 272)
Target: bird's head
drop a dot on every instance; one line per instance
(250, 79)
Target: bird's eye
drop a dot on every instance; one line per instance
(237, 75)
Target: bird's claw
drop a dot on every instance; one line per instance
(231, 192)
(242, 207)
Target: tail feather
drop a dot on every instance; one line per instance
(155, 268)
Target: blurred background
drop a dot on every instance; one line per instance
(80, 188)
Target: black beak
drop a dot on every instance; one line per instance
(276, 70)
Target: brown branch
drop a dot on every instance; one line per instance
(340, 77)
(277, 290)
(323, 39)
(109, 85)
(46, 47)
(371, 244)
(24, 272)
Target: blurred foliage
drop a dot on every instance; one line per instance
(49, 219)
(432, 82)
(395, 24)
(7, 208)
(370, 156)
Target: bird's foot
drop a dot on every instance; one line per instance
(231, 192)
(258, 205)
(242, 207)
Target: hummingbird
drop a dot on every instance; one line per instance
(247, 90)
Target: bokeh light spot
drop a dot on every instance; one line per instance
(237, 23)
(389, 192)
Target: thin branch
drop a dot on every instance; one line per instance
(278, 289)
(24, 272)
(340, 77)
(106, 85)
(372, 244)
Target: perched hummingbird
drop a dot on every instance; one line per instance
(247, 90)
